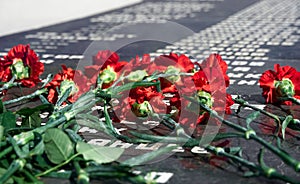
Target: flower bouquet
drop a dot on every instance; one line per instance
(39, 130)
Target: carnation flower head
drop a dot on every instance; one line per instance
(180, 63)
(139, 104)
(67, 78)
(106, 67)
(279, 83)
(22, 64)
(211, 82)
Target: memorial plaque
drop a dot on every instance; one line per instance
(250, 35)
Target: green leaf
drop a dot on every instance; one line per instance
(295, 125)
(22, 153)
(285, 123)
(18, 180)
(234, 150)
(8, 120)
(38, 149)
(62, 98)
(2, 107)
(48, 79)
(39, 146)
(133, 85)
(73, 135)
(239, 109)
(44, 100)
(249, 174)
(1, 132)
(2, 172)
(99, 154)
(31, 116)
(91, 121)
(34, 120)
(41, 108)
(135, 161)
(41, 162)
(251, 118)
(58, 146)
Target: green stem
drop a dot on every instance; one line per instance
(150, 78)
(27, 97)
(56, 120)
(47, 80)
(132, 85)
(221, 152)
(172, 74)
(82, 176)
(188, 142)
(114, 171)
(106, 168)
(295, 164)
(9, 85)
(283, 155)
(14, 167)
(3, 144)
(294, 100)
(113, 174)
(108, 121)
(113, 132)
(57, 166)
(25, 137)
(62, 175)
(101, 94)
(266, 171)
(6, 151)
(31, 177)
(245, 104)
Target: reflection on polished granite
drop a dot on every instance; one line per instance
(251, 35)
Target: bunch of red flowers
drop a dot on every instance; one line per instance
(177, 79)
(176, 75)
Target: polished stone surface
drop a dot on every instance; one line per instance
(251, 35)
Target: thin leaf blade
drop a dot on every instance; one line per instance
(251, 118)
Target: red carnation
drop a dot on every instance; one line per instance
(65, 79)
(211, 82)
(106, 67)
(138, 68)
(105, 58)
(170, 62)
(283, 82)
(212, 70)
(212, 79)
(2, 71)
(140, 102)
(138, 63)
(23, 64)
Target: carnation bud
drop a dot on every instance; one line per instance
(108, 75)
(175, 71)
(285, 88)
(19, 71)
(66, 84)
(143, 109)
(137, 75)
(205, 98)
